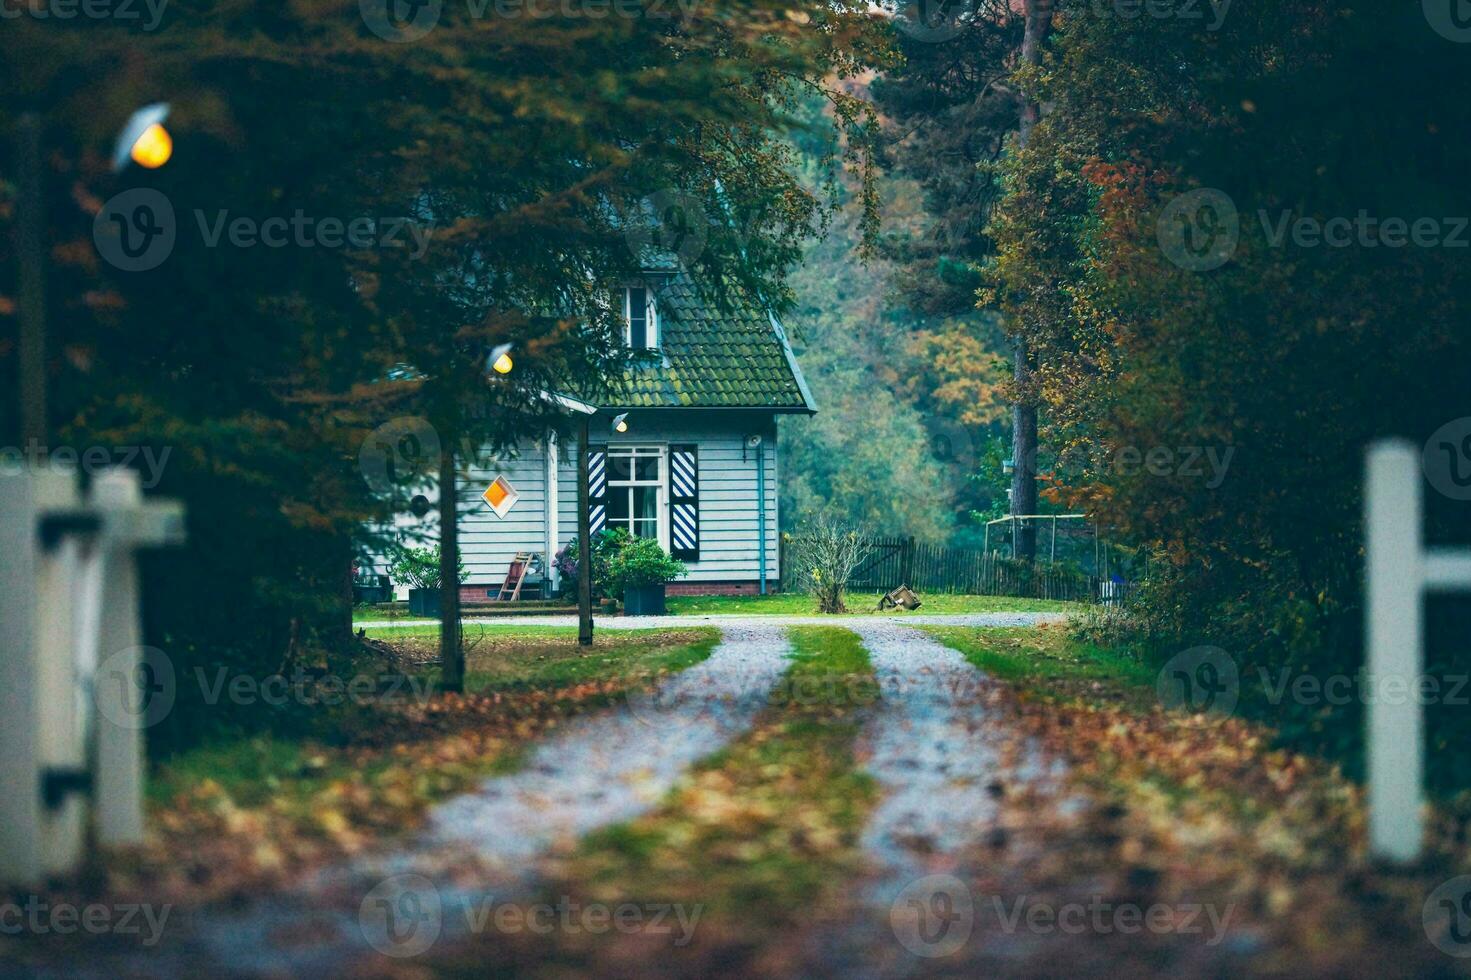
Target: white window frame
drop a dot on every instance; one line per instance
(651, 308)
(642, 450)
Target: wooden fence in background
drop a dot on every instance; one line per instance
(938, 568)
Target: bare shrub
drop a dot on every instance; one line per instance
(825, 553)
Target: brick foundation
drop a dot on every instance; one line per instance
(477, 593)
(485, 593)
(718, 588)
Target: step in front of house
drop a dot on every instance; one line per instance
(493, 608)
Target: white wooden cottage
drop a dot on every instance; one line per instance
(693, 462)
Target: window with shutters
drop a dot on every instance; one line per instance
(635, 494)
(640, 318)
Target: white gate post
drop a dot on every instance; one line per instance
(21, 817)
(1398, 572)
(120, 748)
(1394, 579)
(40, 726)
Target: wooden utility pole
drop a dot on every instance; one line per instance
(451, 650)
(584, 541)
(30, 281)
(1024, 411)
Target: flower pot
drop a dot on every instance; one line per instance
(424, 602)
(646, 600)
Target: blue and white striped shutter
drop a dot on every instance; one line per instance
(597, 488)
(684, 499)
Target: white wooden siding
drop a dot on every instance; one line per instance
(728, 538)
(728, 513)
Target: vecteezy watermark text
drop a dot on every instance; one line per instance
(137, 229)
(148, 460)
(1200, 230)
(1183, 461)
(934, 916)
(37, 917)
(137, 688)
(404, 916)
(126, 11)
(1207, 680)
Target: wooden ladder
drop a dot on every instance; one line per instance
(514, 575)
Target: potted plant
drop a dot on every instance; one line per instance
(640, 570)
(418, 568)
(605, 544)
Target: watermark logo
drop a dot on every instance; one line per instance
(138, 687)
(1447, 917)
(668, 222)
(135, 231)
(930, 21)
(1200, 680)
(933, 916)
(405, 916)
(135, 688)
(1451, 19)
(402, 450)
(402, 916)
(1446, 459)
(955, 445)
(1199, 230)
(400, 21)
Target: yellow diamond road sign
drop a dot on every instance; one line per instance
(501, 496)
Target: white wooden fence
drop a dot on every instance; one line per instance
(1399, 571)
(71, 749)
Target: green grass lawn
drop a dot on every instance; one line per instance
(859, 603)
(1051, 664)
(783, 604)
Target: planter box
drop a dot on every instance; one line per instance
(424, 602)
(646, 601)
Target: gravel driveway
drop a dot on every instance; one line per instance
(732, 620)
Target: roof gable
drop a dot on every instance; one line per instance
(714, 358)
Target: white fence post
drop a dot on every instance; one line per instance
(68, 596)
(1398, 573)
(119, 724)
(1394, 622)
(39, 724)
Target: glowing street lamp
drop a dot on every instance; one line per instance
(620, 423)
(144, 140)
(499, 360)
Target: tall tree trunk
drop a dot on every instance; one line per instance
(584, 541)
(1024, 410)
(451, 652)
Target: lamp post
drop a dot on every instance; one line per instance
(584, 540)
(31, 291)
(144, 141)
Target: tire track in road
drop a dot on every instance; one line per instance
(599, 769)
(612, 766)
(944, 762)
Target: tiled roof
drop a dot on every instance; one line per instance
(713, 357)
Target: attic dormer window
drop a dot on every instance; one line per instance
(640, 318)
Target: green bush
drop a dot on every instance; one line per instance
(605, 544)
(639, 564)
(418, 568)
